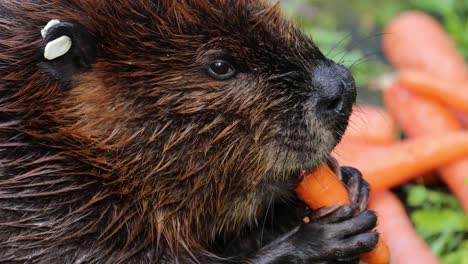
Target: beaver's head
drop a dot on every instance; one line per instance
(192, 102)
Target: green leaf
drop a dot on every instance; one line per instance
(419, 196)
(459, 256)
(438, 221)
(434, 6)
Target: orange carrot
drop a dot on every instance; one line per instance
(461, 116)
(455, 175)
(415, 40)
(321, 187)
(349, 152)
(371, 124)
(419, 116)
(405, 45)
(385, 167)
(396, 229)
(450, 93)
(416, 115)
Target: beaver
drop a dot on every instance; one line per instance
(169, 132)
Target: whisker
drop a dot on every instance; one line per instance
(338, 44)
(270, 202)
(353, 45)
(359, 41)
(364, 58)
(279, 76)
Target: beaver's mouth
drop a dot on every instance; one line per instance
(331, 162)
(299, 151)
(305, 142)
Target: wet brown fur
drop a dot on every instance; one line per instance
(145, 157)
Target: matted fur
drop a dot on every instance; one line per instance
(145, 158)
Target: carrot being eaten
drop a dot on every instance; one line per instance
(412, 112)
(321, 187)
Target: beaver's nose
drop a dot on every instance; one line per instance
(331, 100)
(335, 89)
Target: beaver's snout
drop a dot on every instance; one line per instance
(336, 90)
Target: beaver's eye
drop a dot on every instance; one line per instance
(221, 70)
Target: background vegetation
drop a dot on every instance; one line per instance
(350, 32)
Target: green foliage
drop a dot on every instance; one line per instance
(440, 221)
(419, 196)
(322, 26)
(453, 14)
(321, 20)
(458, 256)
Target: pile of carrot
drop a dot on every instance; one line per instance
(427, 100)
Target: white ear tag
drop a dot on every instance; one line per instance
(57, 47)
(51, 23)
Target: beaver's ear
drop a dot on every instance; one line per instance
(67, 49)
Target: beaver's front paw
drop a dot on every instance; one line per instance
(358, 188)
(336, 236)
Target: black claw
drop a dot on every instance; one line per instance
(358, 188)
(333, 214)
(361, 243)
(361, 223)
(364, 198)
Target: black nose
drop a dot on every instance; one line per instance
(332, 99)
(335, 89)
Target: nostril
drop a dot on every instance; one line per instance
(335, 89)
(335, 104)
